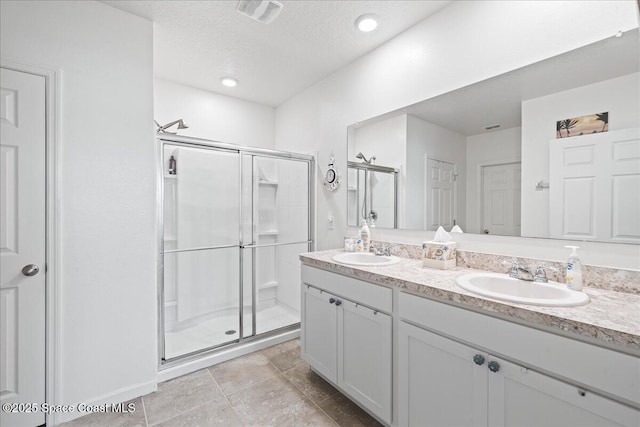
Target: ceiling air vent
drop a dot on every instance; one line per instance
(264, 11)
(490, 127)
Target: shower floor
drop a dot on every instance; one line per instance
(212, 332)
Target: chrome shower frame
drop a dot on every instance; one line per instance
(366, 167)
(163, 139)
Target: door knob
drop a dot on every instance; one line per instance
(493, 366)
(478, 359)
(485, 231)
(30, 270)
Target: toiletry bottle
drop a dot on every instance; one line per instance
(365, 235)
(574, 270)
(172, 166)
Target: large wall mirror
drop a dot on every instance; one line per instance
(492, 157)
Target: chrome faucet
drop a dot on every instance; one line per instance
(540, 274)
(517, 268)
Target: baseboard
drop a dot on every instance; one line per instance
(118, 396)
(224, 355)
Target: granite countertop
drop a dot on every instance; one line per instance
(610, 318)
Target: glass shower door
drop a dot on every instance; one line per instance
(278, 214)
(201, 257)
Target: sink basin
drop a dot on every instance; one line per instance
(364, 258)
(502, 287)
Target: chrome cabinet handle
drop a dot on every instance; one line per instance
(30, 270)
(338, 302)
(332, 300)
(493, 366)
(478, 359)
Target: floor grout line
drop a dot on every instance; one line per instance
(144, 411)
(189, 410)
(226, 398)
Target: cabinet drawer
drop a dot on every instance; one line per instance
(606, 370)
(373, 296)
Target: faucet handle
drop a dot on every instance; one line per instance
(514, 267)
(541, 273)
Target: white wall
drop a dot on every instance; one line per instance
(435, 142)
(619, 96)
(464, 43)
(213, 116)
(107, 190)
(483, 149)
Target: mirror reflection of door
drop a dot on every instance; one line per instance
(440, 195)
(501, 199)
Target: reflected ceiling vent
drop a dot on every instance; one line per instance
(264, 11)
(491, 127)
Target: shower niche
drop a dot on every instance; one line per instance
(234, 221)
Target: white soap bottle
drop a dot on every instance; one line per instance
(365, 235)
(574, 270)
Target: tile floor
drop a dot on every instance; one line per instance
(272, 387)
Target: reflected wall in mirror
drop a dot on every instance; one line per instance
(485, 157)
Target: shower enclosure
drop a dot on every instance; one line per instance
(233, 221)
(372, 195)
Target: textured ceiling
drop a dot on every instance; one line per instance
(198, 42)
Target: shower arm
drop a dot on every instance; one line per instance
(163, 129)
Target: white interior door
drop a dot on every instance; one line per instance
(440, 195)
(594, 187)
(22, 245)
(501, 199)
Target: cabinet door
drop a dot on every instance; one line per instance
(519, 396)
(439, 382)
(319, 344)
(364, 357)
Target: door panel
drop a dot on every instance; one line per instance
(206, 198)
(594, 187)
(201, 300)
(22, 242)
(519, 396)
(501, 199)
(440, 194)
(364, 349)
(320, 332)
(281, 200)
(439, 383)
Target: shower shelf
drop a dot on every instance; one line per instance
(170, 238)
(269, 284)
(268, 183)
(171, 303)
(169, 176)
(268, 233)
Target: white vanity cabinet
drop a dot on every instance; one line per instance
(445, 380)
(346, 337)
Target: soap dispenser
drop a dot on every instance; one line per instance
(574, 270)
(365, 235)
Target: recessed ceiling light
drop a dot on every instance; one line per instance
(229, 81)
(367, 22)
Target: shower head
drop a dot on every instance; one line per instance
(164, 128)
